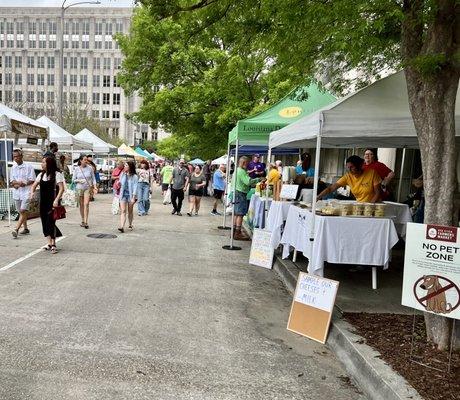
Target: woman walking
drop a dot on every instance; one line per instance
(143, 188)
(51, 183)
(195, 192)
(128, 194)
(85, 180)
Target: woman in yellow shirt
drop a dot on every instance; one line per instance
(365, 185)
(274, 180)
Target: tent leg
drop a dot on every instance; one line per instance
(374, 278)
(267, 188)
(401, 174)
(231, 247)
(315, 183)
(229, 161)
(8, 203)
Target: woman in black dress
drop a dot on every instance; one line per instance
(51, 183)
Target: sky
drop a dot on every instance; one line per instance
(57, 3)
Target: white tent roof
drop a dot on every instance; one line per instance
(63, 138)
(376, 116)
(99, 146)
(32, 129)
(221, 160)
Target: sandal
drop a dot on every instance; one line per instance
(86, 226)
(82, 224)
(121, 230)
(53, 249)
(47, 247)
(130, 227)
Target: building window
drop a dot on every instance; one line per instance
(40, 79)
(75, 28)
(10, 43)
(8, 96)
(106, 81)
(64, 97)
(107, 63)
(66, 44)
(32, 43)
(1, 79)
(20, 43)
(97, 63)
(98, 45)
(116, 98)
(75, 44)
(66, 28)
(40, 62)
(52, 27)
(119, 27)
(9, 28)
(105, 114)
(108, 45)
(84, 63)
(115, 83)
(65, 62)
(83, 98)
(73, 62)
(83, 80)
(105, 98)
(18, 96)
(115, 132)
(50, 97)
(8, 62)
(52, 44)
(85, 28)
(32, 28)
(50, 62)
(98, 28)
(50, 79)
(117, 63)
(40, 97)
(116, 114)
(20, 28)
(30, 97)
(96, 81)
(42, 44)
(108, 28)
(85, 44)
(18, 79)
(8, 78)
(30, 79)
(0, 61)
(95, 114)
(18, 61)
(73, 98)
(42, 28)
(96, 98)
(73, 80)
(30, 62)
(65, 80)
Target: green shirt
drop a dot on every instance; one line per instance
(243, 181)
(166, 173)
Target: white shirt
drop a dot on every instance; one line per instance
(59, 177)
(22, 173)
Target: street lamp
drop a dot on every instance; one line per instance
(61, 85)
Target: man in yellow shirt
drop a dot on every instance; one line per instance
(365, 185)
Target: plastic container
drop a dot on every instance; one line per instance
(380, 209)
(345, 209)
(357, 209)
(369, 209)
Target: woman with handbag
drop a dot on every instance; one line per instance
(85, 180)
(128, 195)
(51, 183)
(143, 188)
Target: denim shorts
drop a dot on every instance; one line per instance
(241, 203)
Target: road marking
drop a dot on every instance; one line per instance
(31, 254)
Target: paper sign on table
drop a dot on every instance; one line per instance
(312, 306)
(289, 192)
(261, 249)
(431, 279)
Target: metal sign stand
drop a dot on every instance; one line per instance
(413, 358)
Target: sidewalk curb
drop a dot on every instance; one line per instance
(374, 377)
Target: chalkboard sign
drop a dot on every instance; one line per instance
(289, 192)
(312, 306)
(261, 249)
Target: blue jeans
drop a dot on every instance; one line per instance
(143, 202)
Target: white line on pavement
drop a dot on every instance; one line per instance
(21, 259)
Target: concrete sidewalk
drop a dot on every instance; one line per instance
(162, 312)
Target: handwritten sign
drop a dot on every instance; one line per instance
(431, 279)
(261, 249)
(312, 306)
(289, 192)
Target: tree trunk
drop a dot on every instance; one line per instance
(432, 97)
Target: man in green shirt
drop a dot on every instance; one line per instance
(166, 173)
(242, 186)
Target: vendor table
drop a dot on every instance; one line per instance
(277, 215)
(339, 240)
(255, 216)
(402, 216)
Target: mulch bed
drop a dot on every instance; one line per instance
(391, 336)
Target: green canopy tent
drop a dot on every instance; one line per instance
(255, 130)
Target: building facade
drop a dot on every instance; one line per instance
(30, 66)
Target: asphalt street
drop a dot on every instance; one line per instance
(162, 312)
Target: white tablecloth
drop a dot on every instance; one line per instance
(402, 216)
(256, 218)
(339, 240)
(277, 214)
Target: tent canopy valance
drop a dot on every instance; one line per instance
(64, 139)
(255, 130)
(99, 146)
(18, 125)
(376, 116)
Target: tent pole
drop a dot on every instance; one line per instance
(315, 183)
(267, 188)
(227, 174)
(231, 247)
(401, 174)
(8, 204)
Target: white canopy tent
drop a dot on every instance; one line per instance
(64, 139)
(14, 125)
(221, 160)
(375, 116)
(99, 146)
